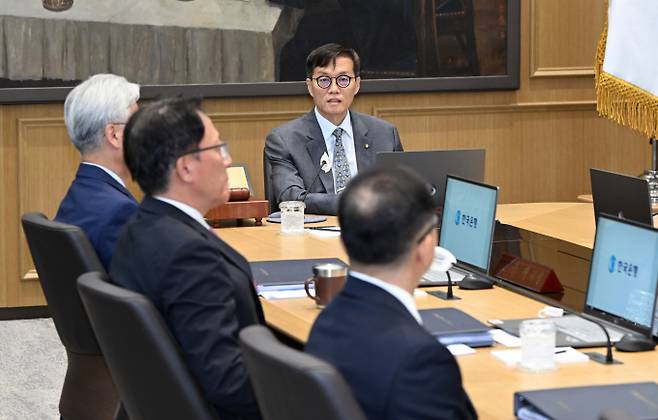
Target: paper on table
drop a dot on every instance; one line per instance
(505, 338)
(562, 355)
(283, 291)
(460, 349)
(282, 294)
(323, 233)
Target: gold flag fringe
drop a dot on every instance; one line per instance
(620, 101)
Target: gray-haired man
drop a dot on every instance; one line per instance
(95, 113)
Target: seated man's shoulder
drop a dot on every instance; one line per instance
(296, 125)
(371, 121)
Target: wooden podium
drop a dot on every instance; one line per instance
(240, 205)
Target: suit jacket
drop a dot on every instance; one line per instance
(204, 291)
(100, 206)
(295, 149)
(395, 368)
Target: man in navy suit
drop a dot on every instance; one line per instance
(201, 286)
(95, 113)
(372, 330)
(314, 156)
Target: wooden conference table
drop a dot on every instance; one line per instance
(489, 382)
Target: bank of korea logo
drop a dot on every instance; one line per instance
(458, 217)
(612, 264)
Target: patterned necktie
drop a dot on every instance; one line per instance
(341, 167)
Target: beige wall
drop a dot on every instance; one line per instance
(541, 140)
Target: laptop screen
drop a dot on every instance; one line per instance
(434, 166)
(620, 195)
(623, 274)
(467, 224)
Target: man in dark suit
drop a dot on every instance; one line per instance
(95, 113)
(201, 286)
(314, 156)
(372, 330)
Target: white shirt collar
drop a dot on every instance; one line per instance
(328, 127)
(399, 293)
(110, 172)
(189, 210)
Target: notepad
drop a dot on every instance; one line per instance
(638, 400)
(452, 326)
(286, 272)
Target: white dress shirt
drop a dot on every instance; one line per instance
(397, 292)
(190, 211)
(110, 172)
(328, 129)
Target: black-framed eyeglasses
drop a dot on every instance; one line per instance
(223, 150)
(342, 81)
(430, 228)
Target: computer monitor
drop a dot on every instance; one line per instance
(620, 195)
(468, 220)
(433, 166)
(623, 274)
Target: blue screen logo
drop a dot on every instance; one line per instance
(458, 217)
(622, 267)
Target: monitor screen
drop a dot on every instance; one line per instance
(469, 215)
(624, 272)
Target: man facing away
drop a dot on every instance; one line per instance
(95, 113)
(372, 330)
(314, 157)
(201, 286)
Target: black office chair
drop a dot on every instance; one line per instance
(61, 253)
(148, 368)
(291, 385)
(267, 184)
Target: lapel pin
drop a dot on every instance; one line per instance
(367, 146)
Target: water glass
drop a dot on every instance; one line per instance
(292, 217)
(537, 345)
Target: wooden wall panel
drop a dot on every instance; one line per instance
(5, 230)
(46, 165)
(564, 34)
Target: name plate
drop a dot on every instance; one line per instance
(531, 275)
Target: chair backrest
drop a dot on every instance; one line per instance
(292, 385)
(146, 363)
(61, 253)
(267, 183)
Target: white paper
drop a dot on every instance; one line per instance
(505, 338)
(282, 294)
(283, 291)
(323, 233)
(562, 355)
(460, 349)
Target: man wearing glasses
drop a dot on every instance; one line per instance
(201, 286)
(95, 113)
(314, 157)
(372, 331)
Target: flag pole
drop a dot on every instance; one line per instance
(651, 175)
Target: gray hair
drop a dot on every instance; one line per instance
(94, 103)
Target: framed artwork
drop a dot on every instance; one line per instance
(224, 48)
